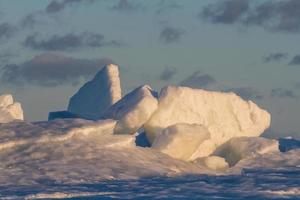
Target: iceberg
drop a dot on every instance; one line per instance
(10, 110)
(133, 110)
(225, 115)
(181, 140)
(97, 95)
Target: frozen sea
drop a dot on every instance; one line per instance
(251, 184)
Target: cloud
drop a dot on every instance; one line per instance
(198, 80)
(295, 60)
(168, 73)
(283, 93)
(225, 12)
(171, 35)
(125, 5)
(5, 57)
(246, 93)
(167, 5)
(56, 6)
(282, 15)
(50, 70)
(68, 41)
(297, 85)
(275, 57)
(6, 30)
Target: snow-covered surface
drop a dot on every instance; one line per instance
(239, 148)
(133, 110)
(97, 95)
(76, 158)
(226, 115)
(181, 140)
(10, 110)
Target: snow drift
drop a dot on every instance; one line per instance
(97, 95)
(225, 115)
(10, 110)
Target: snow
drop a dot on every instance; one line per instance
(226, 115)
(76, 158)
(10, 110)
(213, 162)
(239, 148)
(181, 140)
(97, 95)
(133, 110)
(75, 151)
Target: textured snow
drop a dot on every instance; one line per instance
(76, 158)
(181, 140)
(226, 115)
(133, 110)
(76, 151)
(10, 110)
(97, 95)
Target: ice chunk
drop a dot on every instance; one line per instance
(288, 143)
(181, 140)
(239, 148)
(226, 115)
(94, 97)
(10, 110)
(61, 115)
(213, 162)
(133, 110)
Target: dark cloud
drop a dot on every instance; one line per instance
(68, 41)
(167, 5)
(282, 15)
(50, 70)
(225, 12)
(198, 80)
(56, 6)
(247, 93)
(6, 30)
(125, 5)
(5, 57)
(295, 60)
(171, 35)
(275, 57)
(283, 93)
(168, 73)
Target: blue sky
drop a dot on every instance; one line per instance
(49, 48)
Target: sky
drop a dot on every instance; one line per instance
(49, 48)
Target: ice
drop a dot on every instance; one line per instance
(288, 143)
(61, 115)
(75, 151)
(213, 162)
(133, 110)
(97, 95)
(240, 148)
(10, 110)
(225, 115)
(181, 140)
